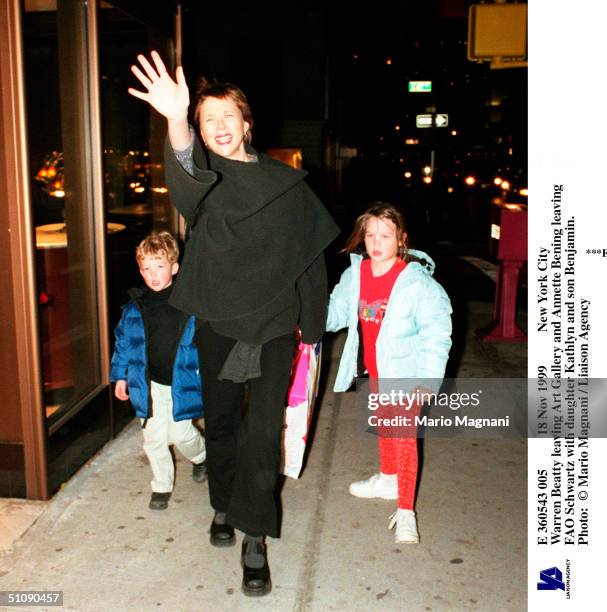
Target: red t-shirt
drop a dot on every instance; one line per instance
(374, 294)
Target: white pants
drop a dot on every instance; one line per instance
(160, 432)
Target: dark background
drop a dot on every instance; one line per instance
(325, 77)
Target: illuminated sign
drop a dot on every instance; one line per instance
(420, 86)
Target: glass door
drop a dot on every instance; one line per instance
(96, 188)
(135, 196)
(56, 52)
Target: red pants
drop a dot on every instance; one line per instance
(398, 452)
(398, 448)
(399, 456)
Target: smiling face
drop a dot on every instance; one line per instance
(223, 128)
(157, 271)
(382, 244)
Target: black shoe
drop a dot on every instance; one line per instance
(159, 501)
(199, 471)
(255, 580)
(222, 535)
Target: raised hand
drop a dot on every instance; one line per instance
(171, 99)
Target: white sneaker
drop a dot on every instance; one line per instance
(406, 527)
(380, 485)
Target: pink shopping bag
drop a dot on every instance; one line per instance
(300, 404)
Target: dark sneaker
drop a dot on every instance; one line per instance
(199, 471)
(159, 501)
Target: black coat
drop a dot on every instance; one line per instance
(254, 264)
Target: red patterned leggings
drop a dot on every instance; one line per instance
(397, 443)
(399, 456)
(398, 453)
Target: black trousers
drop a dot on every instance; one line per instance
(244, 453)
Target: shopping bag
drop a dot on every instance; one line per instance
(298, 413)
(298, 385)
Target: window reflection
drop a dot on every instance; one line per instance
(44, 122)
(54, 38)
(134, 190)
(136, 201)
(41, 56)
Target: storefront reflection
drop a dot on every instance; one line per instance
(54, 309)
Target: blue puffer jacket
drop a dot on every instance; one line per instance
(130, 363)
(415, 335)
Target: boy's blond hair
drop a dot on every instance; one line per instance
(157, 244)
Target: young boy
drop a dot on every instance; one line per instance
(155, 365)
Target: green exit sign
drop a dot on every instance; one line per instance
(420, 86)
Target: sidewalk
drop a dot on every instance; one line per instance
(97, 541)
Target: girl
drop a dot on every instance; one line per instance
(404, 317)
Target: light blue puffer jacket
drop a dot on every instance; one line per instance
(415, 335)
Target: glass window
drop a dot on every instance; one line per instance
(133, 137)
(58, 62)
(54, 45)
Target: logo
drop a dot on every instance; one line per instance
(551, 579)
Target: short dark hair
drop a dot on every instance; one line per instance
(216, 89)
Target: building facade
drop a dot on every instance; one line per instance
(81, 182)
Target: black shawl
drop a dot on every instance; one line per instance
(253, 264)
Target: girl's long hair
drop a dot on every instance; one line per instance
(380, 210)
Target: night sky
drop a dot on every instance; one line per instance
(349, 66)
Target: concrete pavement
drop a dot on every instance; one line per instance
(97, 541)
